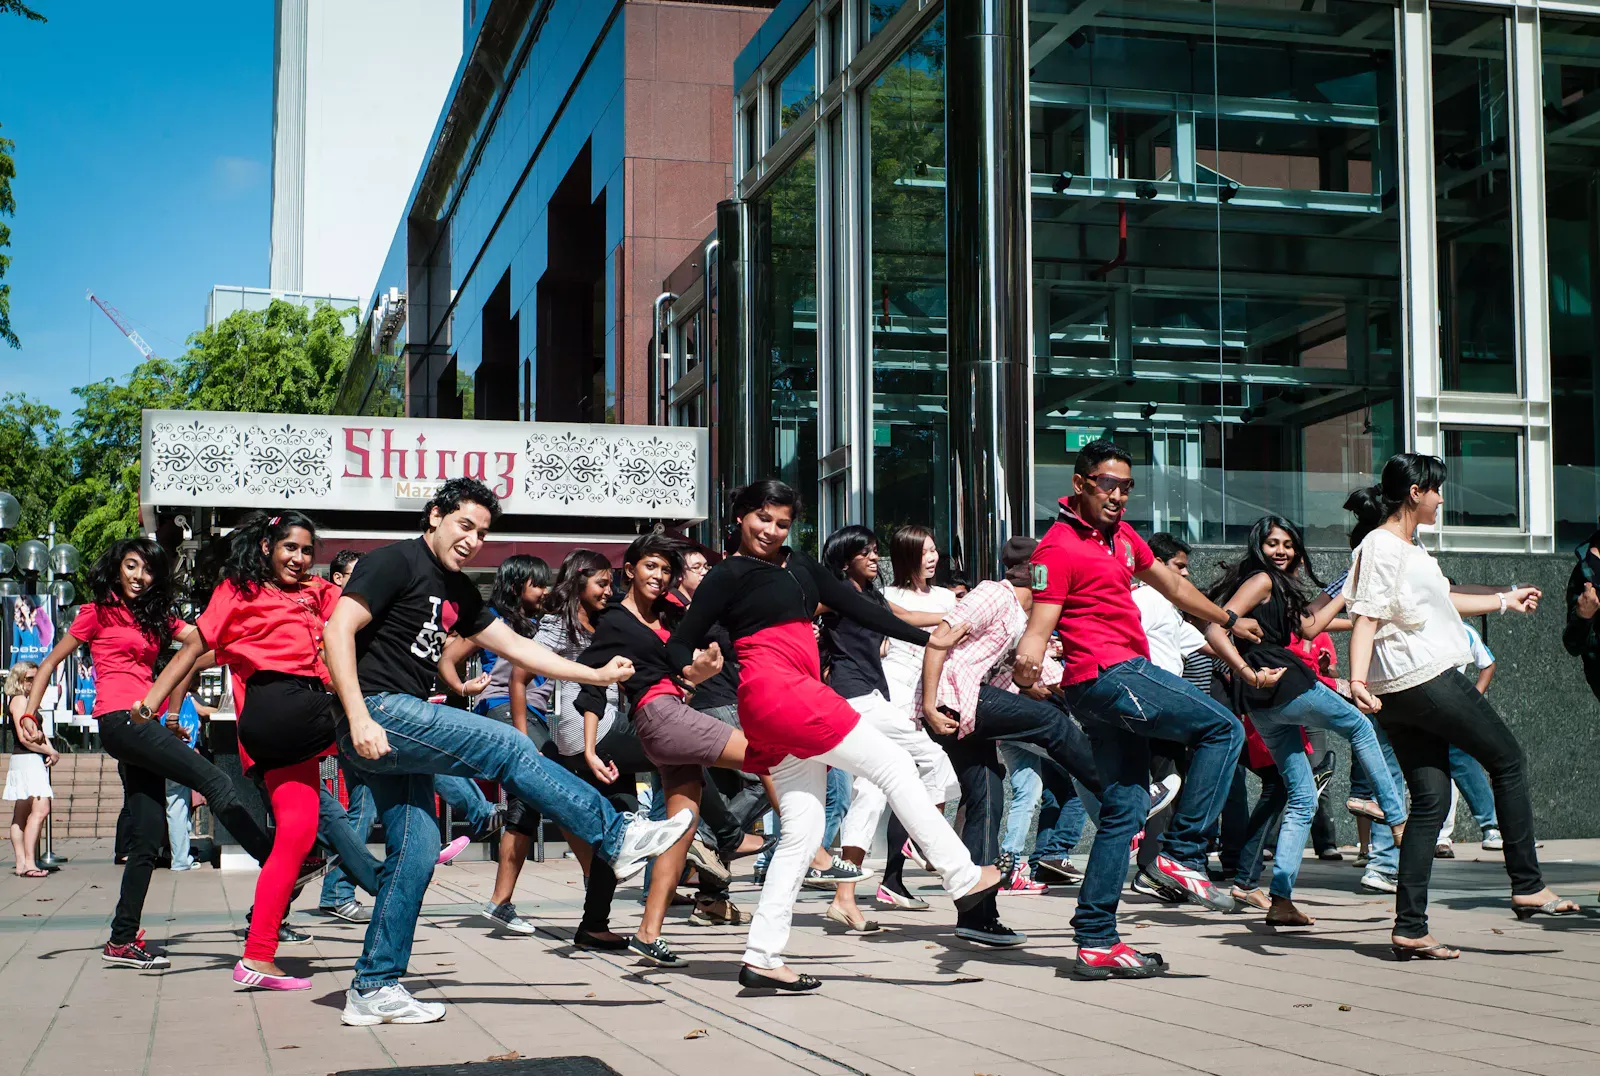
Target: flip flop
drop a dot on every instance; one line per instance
(1437, 951)
(34, 873)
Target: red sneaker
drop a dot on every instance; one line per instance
(1018, 884)
(1117, 962)
(134, 955)
(1195, 885)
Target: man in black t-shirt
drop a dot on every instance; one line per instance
(383, 644)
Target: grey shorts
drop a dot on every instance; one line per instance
(679, 739)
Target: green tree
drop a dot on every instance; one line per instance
(8, 207)
(34, 462)
(17, 7)
(281, 360)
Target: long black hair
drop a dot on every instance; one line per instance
(755, 496)
(152, 609)
(566, 595)
(247, 567)
(845, 545)
(510, 580)
(1376, 504)
(1253, 561)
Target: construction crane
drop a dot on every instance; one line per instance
(120, 322)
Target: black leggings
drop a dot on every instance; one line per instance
(150, 756)
(1423, 723)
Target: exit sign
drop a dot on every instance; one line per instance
(1077, 438)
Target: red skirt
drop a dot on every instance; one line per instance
(784, 707)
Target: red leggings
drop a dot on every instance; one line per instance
(294, 807)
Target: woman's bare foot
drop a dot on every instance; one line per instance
(1285, 914)
(1429, 947)
(1543, 897)
(1256, 898)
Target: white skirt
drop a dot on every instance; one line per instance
(28, 777)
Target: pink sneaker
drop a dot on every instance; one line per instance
(260, 980)
(1018, 884)
(453, 849)
(914, 854)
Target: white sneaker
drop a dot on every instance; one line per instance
(644, 840)
(392, 1004)
(1374, 882)
(1163, 792)
(1492, 841)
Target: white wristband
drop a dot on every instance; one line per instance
(1502, 597)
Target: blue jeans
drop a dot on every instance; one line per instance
(1322, 708)
(359, 817)
(1027, 790)
(1475, 788)
(1122, 709)
(1061, 816)
(178, 826)
(1383, 857)
(467, 799)
(425, 739)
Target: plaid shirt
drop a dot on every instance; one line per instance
(995, 622)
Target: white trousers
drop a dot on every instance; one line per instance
(867, 800)
(802, 786)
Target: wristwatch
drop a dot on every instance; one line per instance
(1233, 618)
(142, 712)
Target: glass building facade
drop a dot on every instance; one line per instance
(1263, 244)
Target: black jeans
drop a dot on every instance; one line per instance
(1422, 723)
(151, 756)
(1008, 716)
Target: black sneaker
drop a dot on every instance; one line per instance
(288, 935)
(1057, 872)
(1150, 884)
(657, 952)
(994, 934)
(839, 872)
(314, 867)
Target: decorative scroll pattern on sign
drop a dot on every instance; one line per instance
(284, 460)
(644, 473)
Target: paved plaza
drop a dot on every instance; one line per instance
(1241, 998)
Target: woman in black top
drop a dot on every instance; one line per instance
(854, 654)
(678, 740)
(1265, 584)
(766, 595)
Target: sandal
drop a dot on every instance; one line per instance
(866, 926)
(1549, 907)
(1255, 898)
(1364, 808)
(1436, 951)
(36, 872)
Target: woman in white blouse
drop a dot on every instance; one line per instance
(1405, 648)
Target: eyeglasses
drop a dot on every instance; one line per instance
(696, 569)
(1110, 483)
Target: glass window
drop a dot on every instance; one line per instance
(785, 328)
(795, 92)
(1472, 200)
(1572, 238)
(906, 290)
(833, 63)
(838, 420)
(752, 138)
(878, 13)
(1485, 487)
(1217, 263)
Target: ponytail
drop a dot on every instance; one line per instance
(247, 567)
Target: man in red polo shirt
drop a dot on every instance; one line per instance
(1083, 572)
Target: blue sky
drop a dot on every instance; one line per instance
(143, 149)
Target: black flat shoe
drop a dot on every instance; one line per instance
(584, 940)
(751, 979)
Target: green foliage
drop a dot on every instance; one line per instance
(281, 360)
(8, 207)
(17, 7)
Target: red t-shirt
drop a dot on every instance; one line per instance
(272, 629)
(1092, 580)
(665, 686)
(123, 655)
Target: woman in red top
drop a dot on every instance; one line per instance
(265, 622)
(128, 624)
